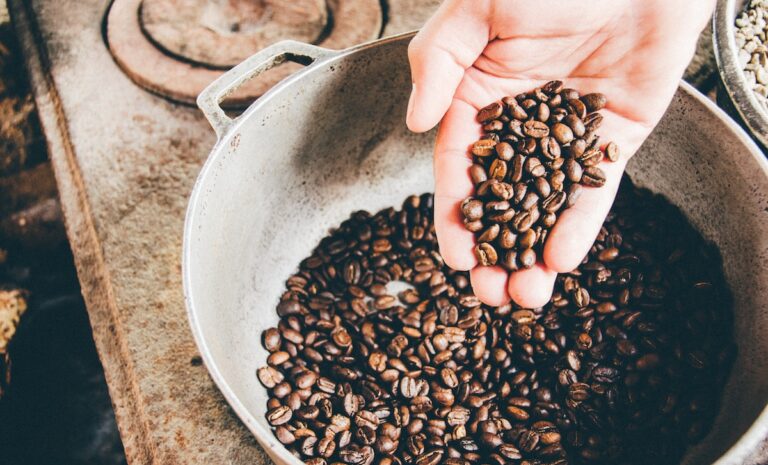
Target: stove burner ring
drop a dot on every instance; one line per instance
(175, 48)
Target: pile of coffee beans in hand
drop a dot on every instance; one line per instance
(624, 365)
(538, 150)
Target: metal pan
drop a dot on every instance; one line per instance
(331, 139)
(735, 92)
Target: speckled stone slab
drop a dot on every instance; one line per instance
(125, 162)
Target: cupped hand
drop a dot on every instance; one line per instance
(472, 53)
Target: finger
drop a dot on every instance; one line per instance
(532, 288)
(490, 285)
(576, 228)
(453, 184)
(446, 46)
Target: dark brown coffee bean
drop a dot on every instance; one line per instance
(562, 133)
(593, 177)
(535, 129)
(518, 112)
(354, 455)
(569, 94)
(556, 180)
(478, 174)
(523, 221)
(542, 112)
(577, 107)
(517, 413)
(647, 362)
(272, 339)
(573, 170)
(486, 254)
(591, 157)
(534, 167)
(594, 102)
(269, 377)
(279, 416)
(528, 441)
(472, 209)
(490, 234)
(484, 148)
(554, 202)
(553, 87)
(502, 190)
(574, 192)
(527, 239)
(581, 297)
(592, 123)
(576, 125)
(550, 149)
(509, 260)
(542, 187)
(432, 457)
(377, 361)
(490, 112)
(527, 258)
(326, 447)
(612, 151)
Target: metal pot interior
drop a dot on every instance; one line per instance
(332, 140)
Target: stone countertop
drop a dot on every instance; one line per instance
(125, 162)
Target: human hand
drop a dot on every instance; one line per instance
(472, 53)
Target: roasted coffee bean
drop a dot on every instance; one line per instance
(593, 177)
(550, 149)
(472, 209)
(535, 129)
(271, 339)
(612, 151)
(484, 148)
(573, 171)
(574, 192)
(554, 202)
(491, 112)
(498, 169)
(522, 152)
(490, 234)
(591, 157)
(279, 416)
(478, 174)
(562, 133)
(527, 258)
(633, 337)
(486, 254)
(576, 125)
(269, 376)
(594, 102)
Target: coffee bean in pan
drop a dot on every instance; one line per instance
(537, 150)
(625, 364)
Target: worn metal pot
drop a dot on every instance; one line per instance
(734, 93)
(331, 139)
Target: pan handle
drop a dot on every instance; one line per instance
(209, 100)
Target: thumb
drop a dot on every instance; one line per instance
(446, 46)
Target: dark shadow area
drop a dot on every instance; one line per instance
(57, 409)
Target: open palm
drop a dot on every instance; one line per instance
(472, 53)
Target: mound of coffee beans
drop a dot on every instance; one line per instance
(538, 150)
(624, 365)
